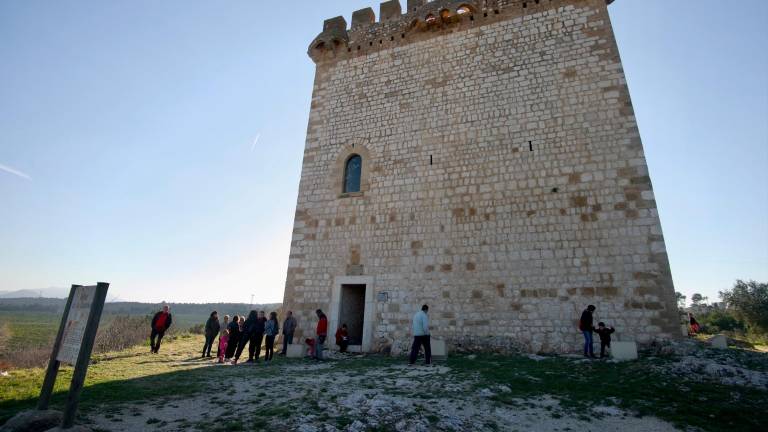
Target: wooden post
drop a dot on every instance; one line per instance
(53, 364)
(84, 356)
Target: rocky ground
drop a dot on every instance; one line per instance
(465, 393)
(311, 397)
(685, 386)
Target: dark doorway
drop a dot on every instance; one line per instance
(352, 311)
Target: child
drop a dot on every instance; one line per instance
(605, 337)
(223, 340)
(310, 347)
(342, 338)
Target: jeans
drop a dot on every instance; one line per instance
(418, 342)
(588, 349)
(155, 346)
(319, 347)
(287, 340)
(270, 349)
(208, 344)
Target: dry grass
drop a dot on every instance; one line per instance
(122, 332)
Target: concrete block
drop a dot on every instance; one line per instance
(624, 351)
(719, 342)
(438, 348)
(296, 351)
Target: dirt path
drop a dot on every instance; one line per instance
(340, 396)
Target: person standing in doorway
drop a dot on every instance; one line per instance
(587, 326)
(322, 334)
(421, 336)
(271, 330)
(161, 322)
(212, 328)
(289, 327)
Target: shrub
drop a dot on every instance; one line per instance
(122, 332)
(197, 329)
(750, 303)
(719, 320)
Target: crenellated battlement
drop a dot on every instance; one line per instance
(421, 20)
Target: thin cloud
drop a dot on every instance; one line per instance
(15, 172)
(255, 141)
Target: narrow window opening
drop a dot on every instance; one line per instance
(430, 159)
(555, 190)
(352, 174)
(530, 145)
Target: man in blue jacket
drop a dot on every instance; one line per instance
(421, 336)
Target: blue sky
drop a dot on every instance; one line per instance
(129, 151)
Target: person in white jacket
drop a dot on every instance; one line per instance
(421, 336)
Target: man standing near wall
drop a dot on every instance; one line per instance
(289, 327)
(161, 322)
(587, 325)
(421, 336)
(322, 334)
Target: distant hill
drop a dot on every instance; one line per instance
(56, 305)
(28, 293)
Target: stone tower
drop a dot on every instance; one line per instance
(481, 157)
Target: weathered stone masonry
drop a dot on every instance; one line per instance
(504, 181)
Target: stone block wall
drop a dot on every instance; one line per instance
(504, 179)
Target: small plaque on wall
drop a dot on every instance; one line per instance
(355, 270)
(382, 297)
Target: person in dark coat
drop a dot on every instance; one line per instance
(212, 328)
(234, 338)
(161, 322)
(586, 325)
(253, 336)
(605, 337)
(289, 327)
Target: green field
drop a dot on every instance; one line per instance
(32, 328)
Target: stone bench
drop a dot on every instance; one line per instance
(439, 348)
(296, 351)
(719, 342)
(623, 351)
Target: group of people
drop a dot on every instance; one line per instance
(237, 332)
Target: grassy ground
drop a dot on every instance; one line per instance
(175, 390)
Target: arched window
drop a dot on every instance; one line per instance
(352, 173)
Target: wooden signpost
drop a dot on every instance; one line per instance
(73, 345)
